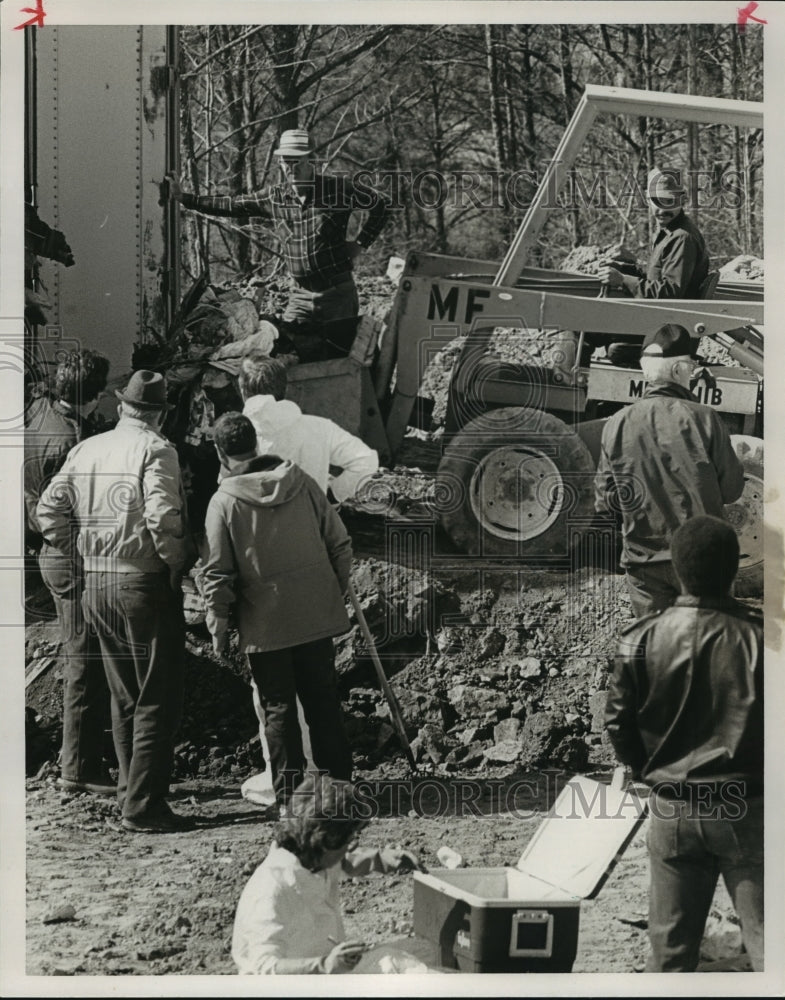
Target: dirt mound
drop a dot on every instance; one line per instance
(745, 267)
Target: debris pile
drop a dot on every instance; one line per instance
(745, 267)
(487, 679)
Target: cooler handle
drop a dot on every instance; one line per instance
(524, 920)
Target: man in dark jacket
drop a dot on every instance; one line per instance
(53, 426)
(280, 554)
(663, 460)
(679, 264)
(685, 712)
(677, 267)
(311, 212)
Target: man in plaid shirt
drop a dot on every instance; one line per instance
(310, 212)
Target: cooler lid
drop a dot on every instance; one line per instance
(578, 843)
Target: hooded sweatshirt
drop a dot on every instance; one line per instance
(279, 553)
(313, 443)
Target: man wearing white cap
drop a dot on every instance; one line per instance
(663, 459)
(311, 213)
(679, 264)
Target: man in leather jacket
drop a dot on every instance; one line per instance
(685, 713)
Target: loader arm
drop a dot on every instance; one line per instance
(620, 101)
(432, 311)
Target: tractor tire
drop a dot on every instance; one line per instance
(746, 516)
(509, 483)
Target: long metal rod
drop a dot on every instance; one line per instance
(389, 694)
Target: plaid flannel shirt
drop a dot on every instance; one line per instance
(312, 233)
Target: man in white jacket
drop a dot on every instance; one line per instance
(333, 457)
(328, 453)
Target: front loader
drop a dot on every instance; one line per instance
(521, 440)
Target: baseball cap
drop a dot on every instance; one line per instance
(670, 341)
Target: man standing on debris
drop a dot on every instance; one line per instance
(311, 213)
(278, 553)
(685, 713)
(118, 506)
(52, 428)
(663, 459)
(328, 453)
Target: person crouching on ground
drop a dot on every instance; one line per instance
(279, 553)
(685, 714)
(288, 919)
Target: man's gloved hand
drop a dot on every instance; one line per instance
(610, 276)
(344, 957)
(175, 189)
(353, 248)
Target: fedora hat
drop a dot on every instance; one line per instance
(295, 142)
(145, 389)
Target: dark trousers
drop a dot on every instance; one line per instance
(652, 587)
(687, 855)
(139, 621)
(321, 325)
(306, 672)
(85, 694)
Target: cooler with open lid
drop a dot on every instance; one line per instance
(525, 919)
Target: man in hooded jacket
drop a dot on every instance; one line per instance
(278, 553)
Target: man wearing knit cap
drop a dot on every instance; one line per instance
(311, 213)
(663, 459)
(685, 713)
(679, 264)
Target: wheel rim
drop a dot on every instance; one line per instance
(746, 516)
(516, 493)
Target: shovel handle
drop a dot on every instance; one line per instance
(389, 694)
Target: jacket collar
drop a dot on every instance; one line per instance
(261, 463)
(713, 603)
(669, 389)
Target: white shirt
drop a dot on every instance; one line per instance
(313, 443)
(286, 911)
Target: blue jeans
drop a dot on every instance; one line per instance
(139, 621)
(85, 694)
(688, 853)
(306, 672)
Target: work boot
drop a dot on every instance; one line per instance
(101, 786)
(163, 820)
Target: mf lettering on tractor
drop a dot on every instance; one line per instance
(445, 300)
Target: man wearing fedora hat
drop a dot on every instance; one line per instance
(663, 459)
(117, 507)
(311, 213)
